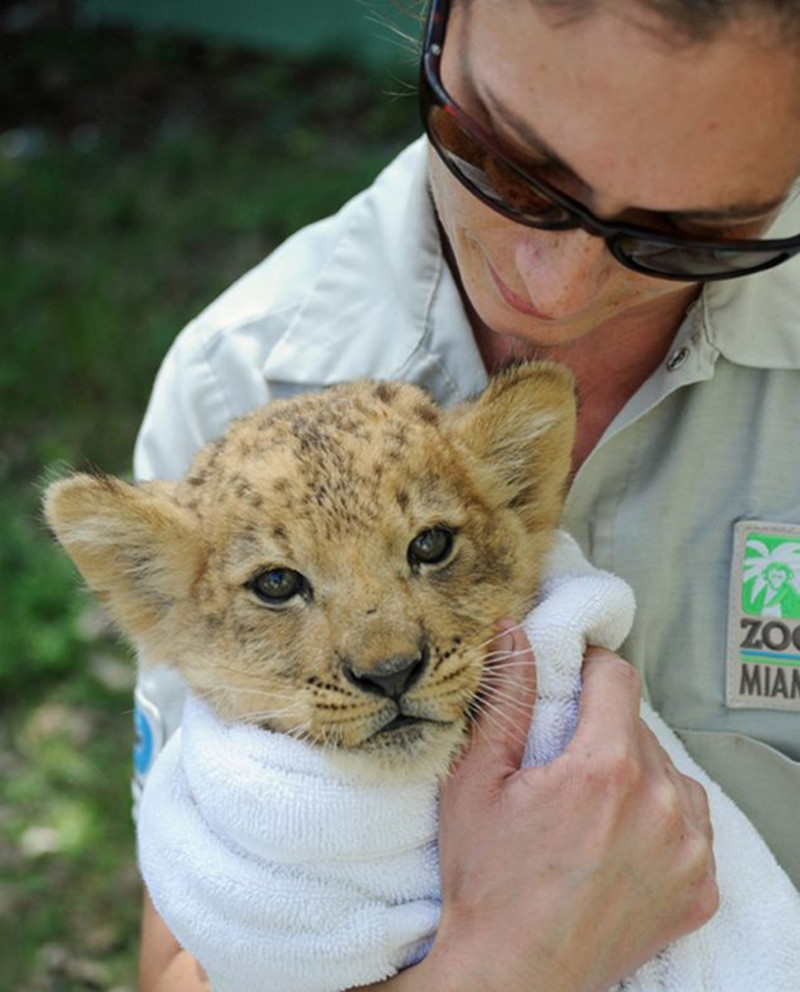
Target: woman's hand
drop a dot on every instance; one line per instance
(567, 877)
(163, 965)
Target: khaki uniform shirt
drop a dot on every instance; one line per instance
(706, 453)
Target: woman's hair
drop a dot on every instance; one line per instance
(692, 20)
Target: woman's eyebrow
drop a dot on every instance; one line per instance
(739, 211)
(527, 135)
(752, 210)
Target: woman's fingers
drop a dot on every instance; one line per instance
(503, 712)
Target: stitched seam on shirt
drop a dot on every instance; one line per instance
(706, 321)
(211, 333)
(632, 457)
(424, 342)
(215, 337)
(215, 379)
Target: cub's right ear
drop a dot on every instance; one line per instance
(138, 550)
(522, 429)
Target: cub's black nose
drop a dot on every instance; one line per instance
(390, 677)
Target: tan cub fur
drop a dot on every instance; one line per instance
(401, 534)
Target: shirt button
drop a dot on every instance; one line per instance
(677, 359)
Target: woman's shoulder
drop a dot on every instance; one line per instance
(365, 236)
(306, 312)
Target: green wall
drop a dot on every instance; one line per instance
(363, 29)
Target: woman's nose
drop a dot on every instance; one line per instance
(561, 270)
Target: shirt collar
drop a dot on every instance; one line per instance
(755, 320)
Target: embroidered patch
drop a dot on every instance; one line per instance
(149, 728)
(764, 617)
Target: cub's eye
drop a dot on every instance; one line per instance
(278, 585)
(430, 547)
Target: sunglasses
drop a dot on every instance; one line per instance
(483, 168)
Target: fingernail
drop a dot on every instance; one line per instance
(503, 626)
(503, 638)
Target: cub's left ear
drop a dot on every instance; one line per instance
(522, 430)
(138, 550)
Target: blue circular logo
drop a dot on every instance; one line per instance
(143, 748)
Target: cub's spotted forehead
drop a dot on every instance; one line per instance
(332, 449)
(347, 407)
(360, 411)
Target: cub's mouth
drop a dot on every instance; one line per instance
(402, 725)
(403, 720)
(402, 743)
(416, 739)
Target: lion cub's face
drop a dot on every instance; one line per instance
(334, 566)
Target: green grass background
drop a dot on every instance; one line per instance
(139, 175)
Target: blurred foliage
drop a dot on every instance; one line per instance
(138, 177)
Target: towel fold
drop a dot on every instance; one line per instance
(278, 870)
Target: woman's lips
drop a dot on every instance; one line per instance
(514, 301)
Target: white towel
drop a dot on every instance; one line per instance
(275, 870)
(280, 872)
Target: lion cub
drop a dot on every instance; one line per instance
(333, 567)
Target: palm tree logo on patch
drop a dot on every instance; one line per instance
(771, 577)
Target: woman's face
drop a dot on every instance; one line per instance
(626, 120)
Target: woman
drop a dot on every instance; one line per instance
(589, 172)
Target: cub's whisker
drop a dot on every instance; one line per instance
(500, 720)
(259, 716)
(498, 656)
(490, 640)
(500, 671)
(500, 687)
(248, 691)
(505, 708)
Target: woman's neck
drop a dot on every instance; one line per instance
(609, 363)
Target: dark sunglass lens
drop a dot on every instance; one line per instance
(692, 261)
(483, 172)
